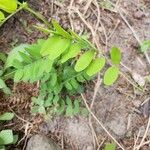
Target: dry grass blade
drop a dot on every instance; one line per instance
(101, 124)
(145, 135)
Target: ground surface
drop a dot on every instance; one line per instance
(123, 110)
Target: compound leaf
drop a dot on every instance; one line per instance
(15, 54)
(115, 54)
(95, 66)
(111, 75)
(84, 60)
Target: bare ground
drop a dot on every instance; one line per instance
(122, 109)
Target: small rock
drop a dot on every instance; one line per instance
(118, 126)
(39, 142)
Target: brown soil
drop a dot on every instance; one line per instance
(119, 107)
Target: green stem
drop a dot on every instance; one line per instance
(38, 15)
(20, 8)
(8, 75)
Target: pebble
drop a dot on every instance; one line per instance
(40, 142)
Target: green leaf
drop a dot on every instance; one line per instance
(26, 58)
(56, 99)
(68, 86)
(14, 54)
(81, 79)
(74, 84)
(16, 137)
(2, 84)
(54, 47)
(60, 30)
(48, 102)
(95, 66)
(76, 109)
(2, 147)
(6, 137)
(111, 75)
(3, 57)
(145, 46)
(35, 109)
(53, 79)
(61, 108)
(8, 6)
(84, 60)
(17, 64)
(73, 51)
(2, 17)
(18, 75)
(57, 89)
(38, 101)
(84, 112)
(42, 110)
(68, 72)
(7, 116)
(6, 90)
(115, 54)
(69, 111)
(110, 146)
(69, 102)
(34, 49)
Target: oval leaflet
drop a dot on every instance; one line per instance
(96, 66)
(84, 60)
(111, 75)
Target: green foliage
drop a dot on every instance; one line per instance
(3, 85)
(84, 60)
(115, 55)
(111, 75)
(106, 4)
(13, 54)
(145, 46)
(6, 116)
(96, 66)
(8, 6)
(6, 136)
(55, 46)
(2, 17)
(61, 64)
(110, 146)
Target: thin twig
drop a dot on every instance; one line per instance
(101, 124)
(145, 135)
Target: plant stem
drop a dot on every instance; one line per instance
(38, 15)
(20, 8)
